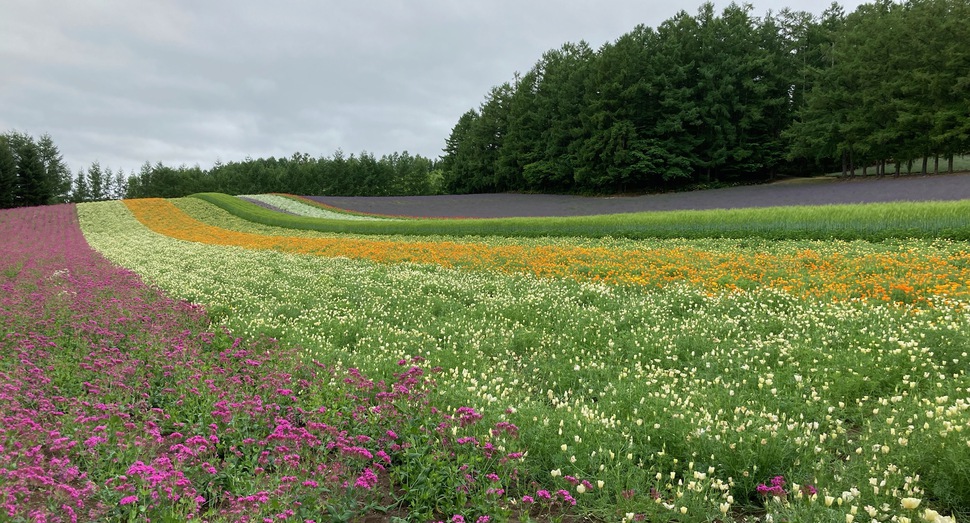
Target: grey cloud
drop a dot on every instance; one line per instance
(125, 82)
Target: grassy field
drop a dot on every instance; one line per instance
(435, 377)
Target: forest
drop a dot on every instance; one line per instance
(702, 100)
(729, 97)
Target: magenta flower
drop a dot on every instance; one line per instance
(367, 480)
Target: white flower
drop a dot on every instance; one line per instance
(910, 503)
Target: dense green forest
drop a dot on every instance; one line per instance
(702, 99)
(32, 171)
(354, 175)
(727, 97)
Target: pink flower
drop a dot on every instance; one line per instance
(127, 500)
(367, 480)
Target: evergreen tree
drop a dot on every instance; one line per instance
(121, 184)
(461, 173)
(8, 174)
(80, 192)
(95, 182)
(57, 176)
(32, 187)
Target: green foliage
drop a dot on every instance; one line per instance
(8, 174)
(32, 172)
(892, 88)
(727, 97)
(356, 175)
(871, 222)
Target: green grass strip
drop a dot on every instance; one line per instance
(872, 222)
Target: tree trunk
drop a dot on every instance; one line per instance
(899, 167)
(845, 164)
(909, 167)
(926, 160)
(936, 164)
(949, 164)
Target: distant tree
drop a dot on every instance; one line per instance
(80, 191)
(32, 186)
(8, 174)
(57, 176)
(461, 173)
(96, 182)
(619, 110)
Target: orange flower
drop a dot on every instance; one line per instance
(902, 276)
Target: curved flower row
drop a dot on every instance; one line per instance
(902, 275)
(292, 206)
(117, 404)
(649, 405)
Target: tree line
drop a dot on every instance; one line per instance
(339, 175)
(702, 99)
(32, 171)
(727, 97)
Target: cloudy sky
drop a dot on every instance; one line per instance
(194, 81)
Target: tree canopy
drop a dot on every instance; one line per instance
(726, 97)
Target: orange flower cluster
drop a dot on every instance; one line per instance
(903, 276)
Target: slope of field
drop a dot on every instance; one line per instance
(878, 221)
(674, 401)
(816, 191)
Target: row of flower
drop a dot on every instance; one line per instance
(303, 207)
(893, 274)
(118, 403)
(664, 403)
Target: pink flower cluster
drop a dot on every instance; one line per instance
(116, 401)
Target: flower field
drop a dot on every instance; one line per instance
(302, 207)
(337, 377)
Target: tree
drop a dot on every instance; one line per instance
(57, 176)
(80, 192)
(121, 184)
(96, 182)
(461, 175)
(8, 174)
(32, 186)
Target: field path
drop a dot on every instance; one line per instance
(810, 191)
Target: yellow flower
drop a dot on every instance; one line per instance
(910, 503)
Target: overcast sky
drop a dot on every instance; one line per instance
(195, 81)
